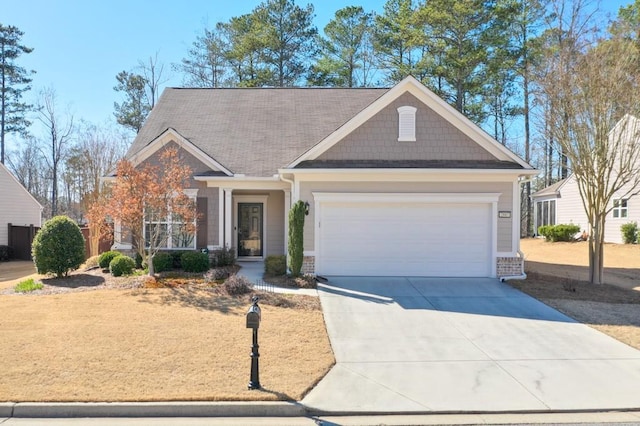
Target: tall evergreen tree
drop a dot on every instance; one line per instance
(206, 64)
(132, 112)
(345, 59)
(289, 37)
(14, 81)
(245, 35)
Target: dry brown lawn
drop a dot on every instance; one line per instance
(557, 274)
(189, 343)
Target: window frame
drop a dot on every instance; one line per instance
(169, 223)
(620, 208)
(407, 123)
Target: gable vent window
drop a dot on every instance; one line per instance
(407, 124)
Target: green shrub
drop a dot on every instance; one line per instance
(560, 232)
(176, 259)
(139, 261)
(27, 286)
(162, 261)
(6, 253)
(105, 258)
(237, 284)
(58, 247)
(195, 261)
(629, 232)
(122, 265)
(275, 265)
(296, 236)
(223, 257)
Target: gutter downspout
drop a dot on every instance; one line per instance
(522, 275)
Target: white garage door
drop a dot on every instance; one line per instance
(405, 239)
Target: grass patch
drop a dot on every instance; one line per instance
(27, 286)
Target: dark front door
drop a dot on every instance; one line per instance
(250, 232)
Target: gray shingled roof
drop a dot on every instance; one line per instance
(407, 164)
(549, 190)
(253, 131)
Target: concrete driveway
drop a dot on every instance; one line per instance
(463, 345)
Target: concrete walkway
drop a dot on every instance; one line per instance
(408, 345)
(254, 270)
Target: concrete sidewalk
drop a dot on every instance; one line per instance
(416, 345)
(254, 270)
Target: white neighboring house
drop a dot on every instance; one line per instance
(561, 203)
(17, 205)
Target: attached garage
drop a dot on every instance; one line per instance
(406, 234)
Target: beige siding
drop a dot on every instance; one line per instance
(436, 138)
(17, 206)
(505, 202)
(569, 207)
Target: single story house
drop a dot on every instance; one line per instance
(19, 209)
(561, 202)
(397, 181)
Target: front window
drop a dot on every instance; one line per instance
(170, 231)
(546, 212)
(620, 208)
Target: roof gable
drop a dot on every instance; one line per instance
(490, 149)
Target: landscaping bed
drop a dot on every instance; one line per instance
(94, 337)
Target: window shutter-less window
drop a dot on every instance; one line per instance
(407, 124)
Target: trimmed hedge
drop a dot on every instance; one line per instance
(105, 258)
(162, 261)
(555, 233)
(275, 265)
(195, 261)
(58, 247)
(122, 265)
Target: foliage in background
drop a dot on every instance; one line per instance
(58, 247)
(629, 233)
(6, 253)
(296, 236)
(162, 262)
(14, 81)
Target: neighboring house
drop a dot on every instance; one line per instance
(561, 202)
(21, 210)
(397, 181)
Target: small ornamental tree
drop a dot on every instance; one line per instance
(296, 238)
(143, 197)
(58, 247)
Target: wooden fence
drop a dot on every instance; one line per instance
(20, 239)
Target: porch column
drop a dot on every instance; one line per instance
(228, 219)
(287, 207)
(220, 218)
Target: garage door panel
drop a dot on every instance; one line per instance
(404, 239)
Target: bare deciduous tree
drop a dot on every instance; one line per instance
(594, 123)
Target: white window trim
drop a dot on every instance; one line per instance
(620, 209)
(407, 124)
(191, 193)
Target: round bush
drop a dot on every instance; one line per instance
(195, 261)
(58, 247)
(122, 265)
(162, 261)
(105, 258)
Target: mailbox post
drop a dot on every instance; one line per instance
(253, 322)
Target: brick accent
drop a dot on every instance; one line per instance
(507, 266)
(309, 265)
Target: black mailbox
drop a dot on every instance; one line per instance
(253, 317)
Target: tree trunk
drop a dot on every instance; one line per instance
(150, 264)
(596, 251)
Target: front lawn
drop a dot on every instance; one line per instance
(160, 344)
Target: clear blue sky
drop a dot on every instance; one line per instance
(80, 45)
